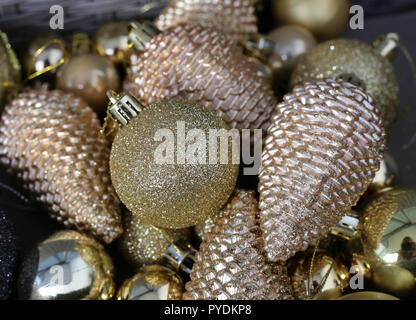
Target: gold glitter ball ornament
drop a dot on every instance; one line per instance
(322, 151)
(162, 171)
(357, 62)
(202, 65)
(152, 283)
(51, 141)
(142, 244)
(67, 266)
(231, 264)
(236, 19)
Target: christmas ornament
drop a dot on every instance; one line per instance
(236, 19)
(230, 263)
(68, 265)
(152, 283)
(169, 184)
(357, 62)
(143, 244)
(389, 240)
(202, 65)
(8, 255)
(111, 40)
(10, 70)
(367, 295)
(324, 18)
(50, 140)
(89, 76)
(263, 69)
(321, 153)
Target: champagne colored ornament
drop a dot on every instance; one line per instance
(367, 295)
(321, 153)
(112, 40)
(68, 265)
(143, 244)
(202, 65)
(89, 76)
(263, 69)
(230, 263)
(388, 232)
(324, 18)
(357, 62)
(152, 283)
(236, 19)
(9, 71)
(51, 141)
(8, 255)
(175, 183)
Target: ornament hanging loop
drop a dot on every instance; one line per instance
(123, 107)
(141, 33)
(387, 44)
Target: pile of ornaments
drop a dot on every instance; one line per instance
(321, 222)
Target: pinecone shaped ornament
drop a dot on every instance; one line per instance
(202, 65)
(322, 151)
(51, 141)
(230, 263)
(237, 19)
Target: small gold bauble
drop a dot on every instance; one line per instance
(143, 244)
(152, 283)
(367, 295)
(166, 179)
(112, 41)
(68, 265)
(9, 71)
(89, 76)
(326, 19)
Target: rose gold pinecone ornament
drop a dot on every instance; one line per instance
(230, 263)
(51, 141)
(321, 153)
(199, 64)
(237, 19)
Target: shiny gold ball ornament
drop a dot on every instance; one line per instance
(358, 62)
(236, 19)
(162, 171)
(89, 76)
(231, 264)
(111, 40)
(388, 234)
(143, 244)
(202, 65)
(368, 295)
(51, 142)
(326, 19)
(321, 153)
(67, 266)
(152, 283)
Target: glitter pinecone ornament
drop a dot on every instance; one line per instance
(237, 19)
(202, 65)
(51, 141)
(321, 153)
(230, 263)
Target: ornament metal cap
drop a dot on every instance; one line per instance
(347, 228)
(387, 44)
(259, 45)
(123, 107)
(141, 33)
(181, 256)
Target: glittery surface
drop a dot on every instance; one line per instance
(357, 62)
(201, 64)
(231, 264)
(237, 19)
(167, 195)
(321, 153)
(142, 244)
(203, 228)
(51, 142)
(8, 252)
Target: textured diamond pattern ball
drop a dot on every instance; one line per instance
(322, 151)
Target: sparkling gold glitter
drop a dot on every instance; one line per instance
(357, 62)
(170, 195)
(142, 244)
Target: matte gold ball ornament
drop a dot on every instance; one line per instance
(67, 266)
(175, 183)
(368, 295)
